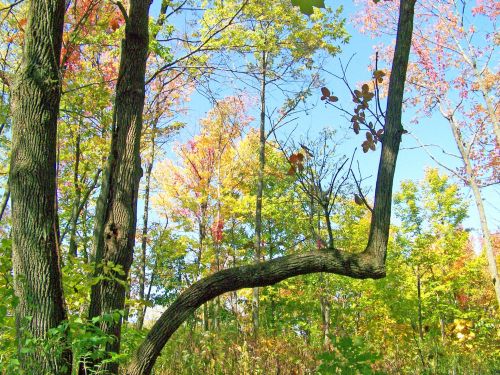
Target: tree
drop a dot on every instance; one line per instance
(34, 156)
(431, 241)
(278, 44)
(35, 253)
(369, 263)
(116, 213)
(452, 73)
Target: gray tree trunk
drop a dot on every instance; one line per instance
(478, 199)
(35, 106)
(78, 195)
(145, 219)
(5, 200)
(115, 235)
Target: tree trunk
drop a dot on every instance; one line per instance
(142, 264)
(472, 182)
(116, 237)
(35, 107)
(73, 222)
(419, 306)
(325, 312)
(78, 196)
(5, 200)
(260, 190)
(368, 264)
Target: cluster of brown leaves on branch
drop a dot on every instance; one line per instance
(359, 119)
(296, 163)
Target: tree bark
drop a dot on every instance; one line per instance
(115, 238)
(368, 264)
(32, 180)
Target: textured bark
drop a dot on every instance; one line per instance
(361, 265)
(115, 238)
(368, 264)
(35, 106)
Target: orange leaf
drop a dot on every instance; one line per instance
(296, 158)
(325, 92)
(114, 23)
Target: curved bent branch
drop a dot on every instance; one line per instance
(359, 265)
(368, 264)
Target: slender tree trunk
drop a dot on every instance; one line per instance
(472, 182)
(150, 287)
(85, 239)
(329, 229)
(35, 107)
(419, 306)
(116, 237)
(144, 242)
(5, 200)
(78, 195)
(325, 312)
(82, 205)
(260, 190)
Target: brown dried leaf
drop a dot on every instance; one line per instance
(358, 200)
(325, 92)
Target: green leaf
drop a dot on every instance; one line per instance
(306, 6)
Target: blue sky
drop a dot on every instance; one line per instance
(412, 160)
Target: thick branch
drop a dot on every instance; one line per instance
(360, 266)
(368, 264)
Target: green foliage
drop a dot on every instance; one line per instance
(349, 356)
(8, 301)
